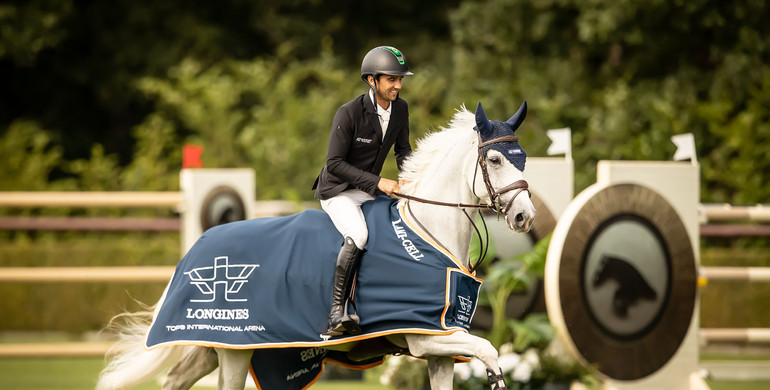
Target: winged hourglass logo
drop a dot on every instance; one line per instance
(230, 278)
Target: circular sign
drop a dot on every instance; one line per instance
(626, 280)
(222, 205)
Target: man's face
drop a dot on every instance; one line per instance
(388, 87)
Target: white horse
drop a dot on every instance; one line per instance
(455, 166)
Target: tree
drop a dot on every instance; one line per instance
(626, 76)
(98, 76)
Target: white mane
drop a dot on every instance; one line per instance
(434, 148)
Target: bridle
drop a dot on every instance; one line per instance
(494, 195)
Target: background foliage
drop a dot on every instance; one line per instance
(103, 95)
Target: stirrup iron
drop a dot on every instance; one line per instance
(350, 320)
(348, 323)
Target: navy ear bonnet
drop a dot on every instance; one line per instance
(490, 130)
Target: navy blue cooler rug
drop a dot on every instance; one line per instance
(266, 284)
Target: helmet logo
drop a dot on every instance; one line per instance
(397, 53)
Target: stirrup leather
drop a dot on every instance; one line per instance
(350, 320)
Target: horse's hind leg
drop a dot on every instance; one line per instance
(196, 364)
(233, 368)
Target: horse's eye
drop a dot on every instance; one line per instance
(494, 160)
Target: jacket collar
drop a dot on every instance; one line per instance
(374, 119)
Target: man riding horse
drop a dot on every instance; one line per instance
(362, 134)
(425, 310)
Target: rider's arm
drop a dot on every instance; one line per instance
(388, 186)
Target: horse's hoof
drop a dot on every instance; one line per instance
(495, 380)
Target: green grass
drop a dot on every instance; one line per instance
(45, 374)
(81, 374)
(348, 385)
(732, 385)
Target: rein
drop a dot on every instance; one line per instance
(448, 204)
(520, 185)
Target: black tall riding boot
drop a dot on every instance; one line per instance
(347, 263)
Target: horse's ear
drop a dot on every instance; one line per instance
(518, 117)
(483, 126)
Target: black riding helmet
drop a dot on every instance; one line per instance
(384, 60)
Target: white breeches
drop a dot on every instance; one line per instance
(345, 212)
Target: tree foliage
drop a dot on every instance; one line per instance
(626, 76)
(102, 95)
(28, 157)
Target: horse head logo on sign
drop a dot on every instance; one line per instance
(631, 285)
(622, 277)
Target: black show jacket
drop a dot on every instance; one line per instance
(356, 149)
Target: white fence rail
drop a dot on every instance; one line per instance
(726, 212)
(91, 199)
(86, 274)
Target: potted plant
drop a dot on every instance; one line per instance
(506, 276)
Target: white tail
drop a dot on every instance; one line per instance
(130, 363)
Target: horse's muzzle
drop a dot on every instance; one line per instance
(521, 221)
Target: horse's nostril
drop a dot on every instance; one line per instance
(519, 217)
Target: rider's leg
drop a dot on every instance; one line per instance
(345, 212)
(347, 263)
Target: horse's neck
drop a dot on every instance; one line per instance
(448, 225)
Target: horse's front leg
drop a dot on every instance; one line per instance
(455, 344)
(440, 372)
(233, 368)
